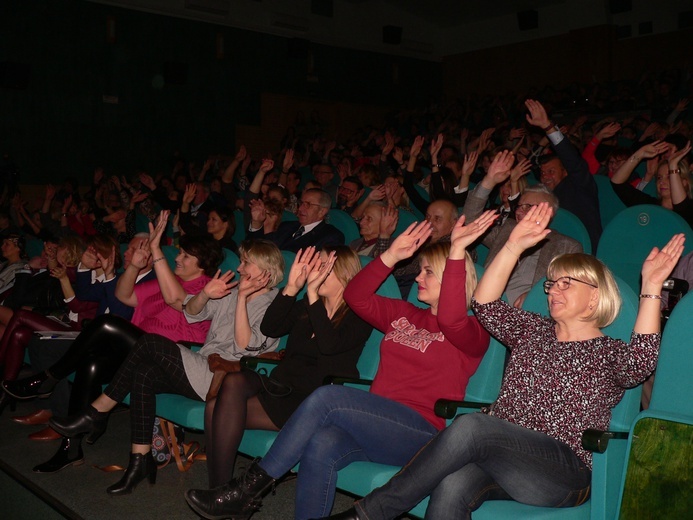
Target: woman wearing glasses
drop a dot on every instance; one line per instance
(563, 377)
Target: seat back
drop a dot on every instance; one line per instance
(569, 225)
(673, 386)
(343, 221)
(609, 203)
(289, 257)
(230, 262)
(632, 234)
(406, 218)
(240, 231)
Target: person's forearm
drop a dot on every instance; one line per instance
(623, 173)
(229, 172)
(171, 289)
(66, 286)
(648, 319)
(125, 288)
(197, 303)
(678, 192)
(241, 327)
(496, 276)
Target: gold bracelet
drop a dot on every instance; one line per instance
(159, 259)
(653, 296)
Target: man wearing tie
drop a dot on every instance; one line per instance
(311, 228)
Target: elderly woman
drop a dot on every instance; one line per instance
(673, 179)
(377, 225)
(156, 364)
(339, 425)
(527, 447)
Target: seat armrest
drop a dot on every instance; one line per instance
(190, 344)
(598, 440)
(447, 408)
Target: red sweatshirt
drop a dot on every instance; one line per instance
(423, 357)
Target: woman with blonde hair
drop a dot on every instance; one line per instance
(339, 425)
(325, 338)
(563, 377)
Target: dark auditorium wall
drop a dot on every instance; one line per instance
(583, 55)
(65, 122)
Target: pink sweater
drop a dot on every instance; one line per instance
(154, 315)
(423, 357)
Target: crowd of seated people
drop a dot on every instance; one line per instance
(506, 154)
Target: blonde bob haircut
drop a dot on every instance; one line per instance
(437, 254)
(587, 268)
(267, 256)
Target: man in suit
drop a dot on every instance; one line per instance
(532, 265)
(310, 229)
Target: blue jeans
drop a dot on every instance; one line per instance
(477, 458)
(334, 427)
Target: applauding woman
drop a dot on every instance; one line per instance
(325, 338)
(425, 354)
(528, 446)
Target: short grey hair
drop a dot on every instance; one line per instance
(551, 198)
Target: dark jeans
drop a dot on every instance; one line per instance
(154, 366)
(477, 458)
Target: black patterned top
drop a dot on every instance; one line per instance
(562, 388)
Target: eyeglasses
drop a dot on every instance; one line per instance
(525, 207)
(306, 203)
(347, 191)
(563, 283)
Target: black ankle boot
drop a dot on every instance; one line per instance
(238, 499)
(69, 454)
(38, 385)
(140, 467)
(7, 400)
(92, 422)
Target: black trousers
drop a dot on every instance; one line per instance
(153, 366)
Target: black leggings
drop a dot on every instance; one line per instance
(153, 366)
(95, 357)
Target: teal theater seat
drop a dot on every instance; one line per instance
(343, 221)
(658, 477)
(632, 234)
(569, 225)
(609, 203)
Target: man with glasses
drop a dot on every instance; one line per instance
(533, 263)
(349, 193)
(567, 174)
(310, 229)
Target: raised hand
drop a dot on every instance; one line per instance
(59, 272)
(676, 157)
(659, 263)
(220, 285)
(517, 133)
(398, 154)
(258, 213)
(303, 265)
(485, 139)
(462, 236)
(50, 192)
(140, 258)
(651, 129)
(89, 259)
(265, 166)
(388, 221)
(406, 244)
(241, 154)
(156, 232)
(609, 130)
(388, 143)
(531, 230)
(469, 164)
(377, 193)
(416, 146)
(537, 114)
(147, 180)
(138, 196)
(522, 168)
(189, 194)
(248, 285)
(107, 263)
(681, 105)
(318, 276)
(652, 150)
(343, 170)
(288, 160)
(500, 167)
(436, 145)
